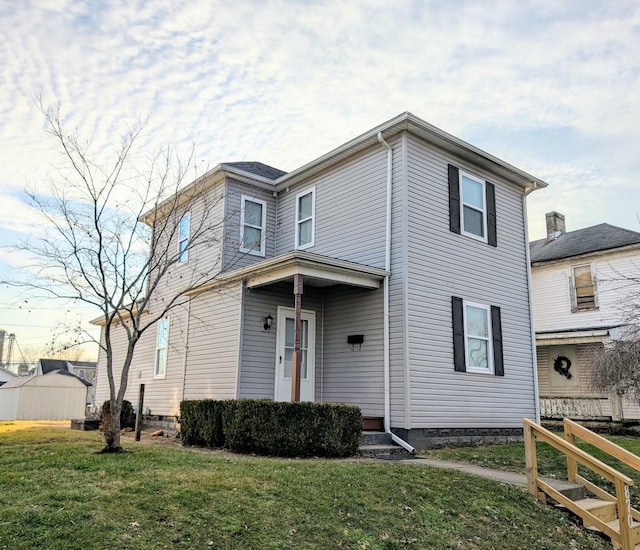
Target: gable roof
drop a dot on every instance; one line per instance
(421, 128)
(592, 239)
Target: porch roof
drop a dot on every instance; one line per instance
(318, 271)
(586, 335)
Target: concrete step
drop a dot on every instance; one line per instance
(375, 438)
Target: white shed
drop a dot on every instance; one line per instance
(53, 396)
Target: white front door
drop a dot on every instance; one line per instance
(284, 353)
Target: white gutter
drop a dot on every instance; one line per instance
(387, 267)
(536, 390)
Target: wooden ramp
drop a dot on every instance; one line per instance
(608, 513)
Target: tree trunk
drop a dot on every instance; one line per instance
(112, 428)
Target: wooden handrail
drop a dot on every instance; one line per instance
(623, 537)
(579, 455)
(572, 428)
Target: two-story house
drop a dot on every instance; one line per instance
(403, 253)
(580, 291)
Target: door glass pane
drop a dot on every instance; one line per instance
(289, 333)
(288, 356)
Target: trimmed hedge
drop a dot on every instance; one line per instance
(267, 427)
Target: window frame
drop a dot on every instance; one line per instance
(253, 251)
(161, 375)
(312, 192)
(482, 182)
(186, 239)
(575, 307)
(490, 359)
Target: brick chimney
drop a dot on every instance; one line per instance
(555, 225)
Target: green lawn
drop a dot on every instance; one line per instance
(551, 462)
(56, 492)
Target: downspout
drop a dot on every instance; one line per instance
(536, 390)
(386, 338)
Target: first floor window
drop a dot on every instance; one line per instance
(583, 289)
(305, 219)
(183, 238)
(477, 337)
(253, 221)
(162, 345)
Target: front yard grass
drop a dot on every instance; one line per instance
(551, 463)
(56, 492)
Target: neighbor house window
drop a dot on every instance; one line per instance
(305, 219)
(472, 206)
(253, 221)
(183, 238)
(583, 288)
(162, 345)
(477, 337)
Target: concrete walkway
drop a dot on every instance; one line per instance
(571, 490)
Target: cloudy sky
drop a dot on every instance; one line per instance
(550, 86)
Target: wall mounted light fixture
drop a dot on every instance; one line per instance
(268, 321)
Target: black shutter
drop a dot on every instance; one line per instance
(496, 331)
(454, 199)
(457, 315)
(492, 237)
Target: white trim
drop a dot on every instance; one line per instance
(490, 366)
(253, 251)
(310, 316)
(180, 240)
(156, 375)
(476, 179)
(304, 193)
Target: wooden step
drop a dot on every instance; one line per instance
(603, 509)
(635, 529)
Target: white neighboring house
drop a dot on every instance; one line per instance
(578, 292)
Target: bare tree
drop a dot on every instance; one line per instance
(113, 239)
(616, 364)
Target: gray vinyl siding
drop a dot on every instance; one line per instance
(214, 339)
(444, 264)
(350, 204)
(232, 257)
(354, 376)
(258, 357)
(397, 287)
(162, 395)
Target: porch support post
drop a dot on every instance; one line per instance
(296, 360)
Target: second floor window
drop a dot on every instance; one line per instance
(473, 207)
(305, 219)
(583, 289)
(183, 238)
(253, 221)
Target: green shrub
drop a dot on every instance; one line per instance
(127, 416)
(201, 422)
(266, 427)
